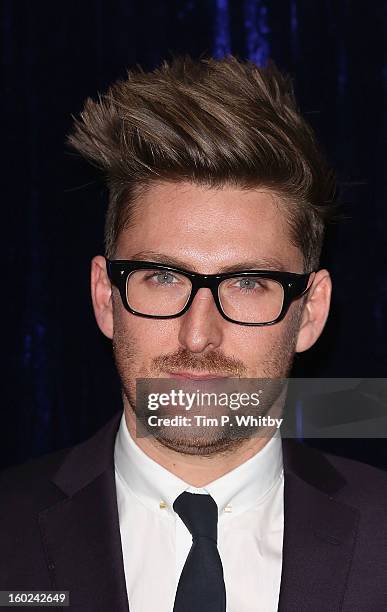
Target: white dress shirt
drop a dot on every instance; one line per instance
(155, 541)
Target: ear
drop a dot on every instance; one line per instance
(315, 311)
(101, 295)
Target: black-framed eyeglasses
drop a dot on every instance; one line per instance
(252, 297)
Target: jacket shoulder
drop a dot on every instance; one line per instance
(31, 485)
(353, 482)
(28, 485)
(365, 484)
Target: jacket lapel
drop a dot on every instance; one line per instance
(81, 533)
(319, 533)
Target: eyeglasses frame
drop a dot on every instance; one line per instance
(294, 285)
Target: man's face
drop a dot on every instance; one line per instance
(205, 230)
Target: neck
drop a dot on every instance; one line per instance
(196, 470)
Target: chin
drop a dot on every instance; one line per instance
(199, 444)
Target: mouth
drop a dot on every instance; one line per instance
(193, 376)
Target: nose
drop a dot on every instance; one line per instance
(201, 327)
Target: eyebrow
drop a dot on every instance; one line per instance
(263, 263)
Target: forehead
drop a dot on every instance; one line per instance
(209, 228)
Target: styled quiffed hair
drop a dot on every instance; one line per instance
(213, 122)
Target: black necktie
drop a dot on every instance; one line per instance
(201, 585)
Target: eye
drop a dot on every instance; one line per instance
(162, 278)
(249, 284)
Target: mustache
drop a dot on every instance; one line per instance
(214, 362)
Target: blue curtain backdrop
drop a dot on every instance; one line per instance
(58, 379)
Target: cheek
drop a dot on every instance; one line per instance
(155, 333)
(149, 337)
(257, 346)
(139, 330)
(250, 343)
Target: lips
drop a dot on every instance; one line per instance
(193, 376)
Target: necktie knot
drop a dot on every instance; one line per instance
(199, 513)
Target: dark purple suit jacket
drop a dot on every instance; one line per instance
(59, 529)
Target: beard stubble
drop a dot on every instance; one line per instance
(200, 440)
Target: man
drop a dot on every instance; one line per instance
(218, 201)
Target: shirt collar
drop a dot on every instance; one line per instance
(157, 487)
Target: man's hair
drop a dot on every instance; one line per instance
(213, 122)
